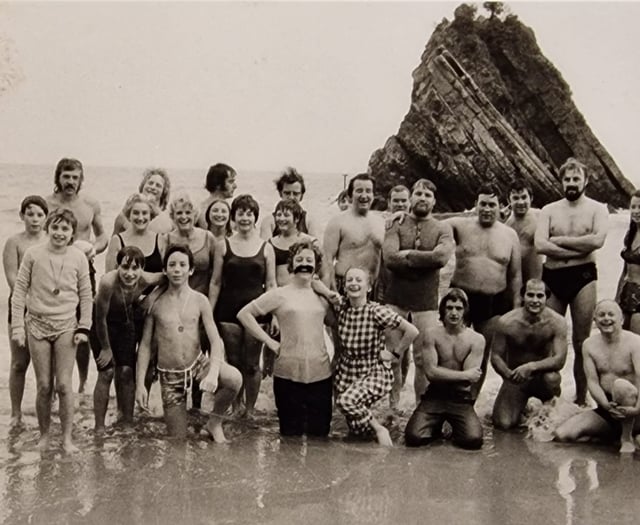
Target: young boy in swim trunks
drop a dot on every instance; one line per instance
(33, 212)
(364, 374)
(172, 324)
(116, 332)
(52, 281)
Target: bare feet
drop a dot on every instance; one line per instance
(627, 447)
(15, 423)
(69, 447)
(99, 430)
(214, 428)
(81, 387)
(383, 437)
(43, 443)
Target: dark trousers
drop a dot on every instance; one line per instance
(303, 407)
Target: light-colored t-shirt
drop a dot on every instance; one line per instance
(300, 312)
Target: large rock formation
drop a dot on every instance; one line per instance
(488, 106)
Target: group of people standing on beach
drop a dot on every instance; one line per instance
(196, 296)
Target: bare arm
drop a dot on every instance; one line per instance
(409, 333)
(216, 276)
(100, 244)
(441, 373)
(635, 359)
(514, 270)
(142, 363)
(593, 379)
(112, 252)
(545, 246)
(103, 299)
(247, 316)
(591, 241)
(10, 261)
(313, 228)
(216, 355)
(266, 227)
(270, 276)
(555, 360)
(623, 274)
(331, 246)
(499, 353)
(120, 224)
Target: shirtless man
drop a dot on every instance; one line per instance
(354, 237)
(528, 350)
(173, 326)
(524, 219)
(568, 233)
(290, 185)
(414, 251)
(612, 367)
(220, 183)
(67, 182)
(451, 356)
(487, 265)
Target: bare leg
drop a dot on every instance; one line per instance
(392, 343)
(19, 363)
(582, 316)
(382, 434)
(625, 394)
(423, 321)
(252, 377)
(41, 355)
(176, 419)
(65, 352)
(230, 383)
(125, 393)
(83, 352)
(101, 399)
(232, 336)
(485, 328)
(582, 426)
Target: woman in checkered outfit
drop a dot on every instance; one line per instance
(364, 372)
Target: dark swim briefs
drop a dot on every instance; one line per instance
(565, 283)
(483, 307)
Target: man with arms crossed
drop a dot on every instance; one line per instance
(354, 237)
(568, 233)
(612, 367)
(529, 349)
(487, 265)
(67, 182)
(451, 356)
(523, 220)
(414, 250)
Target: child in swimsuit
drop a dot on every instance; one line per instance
(116, 331)
(33, 212)
(173, 325)
(52, 282)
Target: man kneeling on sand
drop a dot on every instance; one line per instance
(612, 367)
(172, 324)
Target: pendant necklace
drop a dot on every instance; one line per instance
(184, 305)
(56, 281)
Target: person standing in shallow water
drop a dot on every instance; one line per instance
(569, 232)
(53, 283)
(302, 383)
(173, 325)
(33, 212)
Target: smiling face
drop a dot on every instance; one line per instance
(356, 283)
(60, 234)
(608, 317)
(184, 217)
(573, 183)
(245, 220)
(153, 187)
(33, 218)
(520, 202)
(129, 273)
(488, 209)
(362, 196)
(219, 214)
(534, 299)
(304, 262)
(284, 220)
(140, 216)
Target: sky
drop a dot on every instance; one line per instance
(261, 86)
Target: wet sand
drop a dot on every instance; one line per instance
(138, 476)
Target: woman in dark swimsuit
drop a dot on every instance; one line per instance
(628, 295)
(243, 269)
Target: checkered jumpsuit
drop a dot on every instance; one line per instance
(362, 378)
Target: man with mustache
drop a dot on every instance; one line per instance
(354, 237)
(528, 351)
(302, 384)
(487, 266)
(569, 232)
(414, 250)
(524, 219)
(68, 179)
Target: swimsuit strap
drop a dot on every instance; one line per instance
(121, 240)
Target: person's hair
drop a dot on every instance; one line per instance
(297, 247)
(290, 205)
(572, 164)
(34, 200)
(424, 183)
(164, 196)
(537, 282)
(379, 203)
(359, 176)
(66, 164)
(397, 189)
(182, 198)
(177, 248)
(62, 215)
(520, 185)
(488, 189)
(290, 176)
(227, 228)
(455, 294)
(129, 255)
(633, 227)
(245, 202)
(137, 198)
(217, 177)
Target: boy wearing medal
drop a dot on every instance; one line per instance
(173, 325)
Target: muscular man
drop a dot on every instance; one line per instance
(452, 355)
(487, 265)
(529, 349)
(568, 233)
(67, 182)
(290, 185)
(220, 183)
(414, 250)
(524, 219)
(354, 237)
(612, 367)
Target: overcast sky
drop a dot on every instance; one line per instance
(263, 85)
